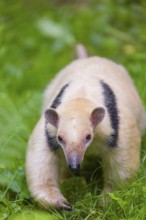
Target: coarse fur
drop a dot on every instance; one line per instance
(83, 116)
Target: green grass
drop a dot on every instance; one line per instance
(29, 57)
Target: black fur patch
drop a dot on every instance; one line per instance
(57, 100)
(51, 140)
(111, 105)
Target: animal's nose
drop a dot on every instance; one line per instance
(74, 167)
(74, 163)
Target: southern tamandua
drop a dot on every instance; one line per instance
(91, 100)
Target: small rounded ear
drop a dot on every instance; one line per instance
(52, 117)
(97, 116)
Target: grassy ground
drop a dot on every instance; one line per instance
(37, 38)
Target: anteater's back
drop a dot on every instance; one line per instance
(88, 73)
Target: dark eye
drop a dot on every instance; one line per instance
(88, 138)
(60, 139)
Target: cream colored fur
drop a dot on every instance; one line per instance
(84, 93)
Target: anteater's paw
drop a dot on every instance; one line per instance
(52, 198)
(105, 198)
(104, 201)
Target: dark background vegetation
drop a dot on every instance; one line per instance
(38, 38)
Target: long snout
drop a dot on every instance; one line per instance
(74, 161)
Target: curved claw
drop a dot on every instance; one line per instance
(65, 206)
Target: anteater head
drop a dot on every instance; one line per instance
(75, 130)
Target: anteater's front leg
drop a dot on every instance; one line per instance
(42, 171)
(120, 164)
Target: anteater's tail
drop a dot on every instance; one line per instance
(81, 51)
